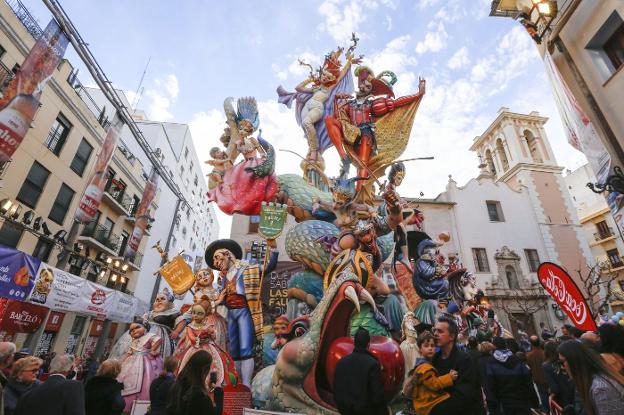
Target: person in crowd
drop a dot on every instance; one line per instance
(612, 346)
(570, 330)
(89, 368)
(57, 395)
(508, 385)
(545, 333)
(103, 392)
(599, 386)
(358, 388)
(535, 359)
(560, 386)
(486, 349)
(7, 351)
(523, 339)
(424, 385)
(512, 345)
(465, 387)
(188, 394)
(159, 389)
(473, 349)
(23, 379)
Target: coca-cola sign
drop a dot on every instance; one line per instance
(564, 291)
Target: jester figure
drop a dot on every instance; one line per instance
(240, 283)
(352, 126)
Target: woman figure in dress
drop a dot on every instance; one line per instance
(162, 319)
(141, 363)
(198, 335)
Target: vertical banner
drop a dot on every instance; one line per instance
(21, 97)
(92, 196)
(583, 136)
(17, 273)
(564, 291)
(142, 215)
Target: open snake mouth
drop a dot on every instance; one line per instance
(337, 323)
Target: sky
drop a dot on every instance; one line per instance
(201, 52)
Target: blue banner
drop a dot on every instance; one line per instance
(17, 273)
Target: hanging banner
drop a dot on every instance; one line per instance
(57, 289)
(20, 317)
(92, 197)
(124, 307)
(178, 275)
(272, 220)
(20, 99)
(96, 299)
(17, 273)
(55, 320)
(142, 216)
(564, 291)
(583, 136)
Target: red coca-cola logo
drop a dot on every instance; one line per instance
(564, 291)
(98, 297)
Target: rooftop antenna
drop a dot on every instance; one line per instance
(139, 90)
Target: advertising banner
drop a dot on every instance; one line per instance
(142, 216)
(272, 219)
(54, 321)
(17, 273)
(20, 99)
(178, 275)
(20, 317)
(274, 292)
(57, 289)
(564, 291)
(96, 299)
(123, 308)
(92, 197)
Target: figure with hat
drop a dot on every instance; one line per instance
(240, 294)
(352, 126)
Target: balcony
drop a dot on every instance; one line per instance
(604, 234)
(135, 263)
(117, 199)
(24, 16)
(6, 75)
(101, 238)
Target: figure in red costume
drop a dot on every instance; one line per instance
(353, 122)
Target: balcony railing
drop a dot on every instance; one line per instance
(5, 76)
(24, 16)
(103, 235)
(603, 234)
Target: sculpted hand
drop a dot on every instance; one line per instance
(421, 86)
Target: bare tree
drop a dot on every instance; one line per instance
(525, 300)
(597, 286)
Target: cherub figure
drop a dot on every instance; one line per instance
(220, 163)
(163, 254)
(242, 123)
(343, 206)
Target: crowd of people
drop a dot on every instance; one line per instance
(63, 385)
(575, 373)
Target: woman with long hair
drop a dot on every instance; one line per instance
(160, 387)
(189, 394)
(598, 385)
(612, 346)
(560, 386)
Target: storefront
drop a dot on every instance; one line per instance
(17, 317)
(50, 332)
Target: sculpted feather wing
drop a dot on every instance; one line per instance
(248, 110)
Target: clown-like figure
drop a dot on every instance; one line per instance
(409, 348)
(241, 295)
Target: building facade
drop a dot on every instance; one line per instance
(601, 230)
(46, 179)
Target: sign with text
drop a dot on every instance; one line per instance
(57, 289)
(55, 319)
(17, 273)
(142, 216)
(96, 299)
(274, 293)
(20, 317)
(272, 219)
(564, 291)
(178, 275)
(235, 399)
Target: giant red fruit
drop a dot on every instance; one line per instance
(242, 192)
(385, 349)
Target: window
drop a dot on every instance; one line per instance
(614, 48)
(79, 163)
(495, 212)
(481, 260)
(512, 278)
(33, 185)
(2, 51)
(61, 204)
(614, 258)
(108, 225)
(604, 231)
(254, 223)
(607, 46)
(4, 166)
(532, 259)
(124, 241)
(90, 227)
(135, 204)
(10, 234)
(43, 248)
(58, 134)
(196, 181)
(186, 151)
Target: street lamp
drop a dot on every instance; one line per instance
(535, 15)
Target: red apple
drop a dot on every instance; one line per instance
(386, 350)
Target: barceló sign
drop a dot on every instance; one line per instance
(564, 291)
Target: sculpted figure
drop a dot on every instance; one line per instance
(162, 319)
(409, 348)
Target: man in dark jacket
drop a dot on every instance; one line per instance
(465, 390)
(57, 395)
(508, 384)
(358, 387)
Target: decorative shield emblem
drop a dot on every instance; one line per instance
(272, 219)
(178, 275)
